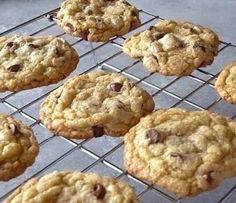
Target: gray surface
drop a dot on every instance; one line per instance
(105, 155)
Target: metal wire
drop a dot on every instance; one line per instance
(107, 64)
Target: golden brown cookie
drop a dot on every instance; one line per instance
(186, 152)
(97, 20)
(72, 187)
(18, 147)
(27, 62)
(173, 48)
(226, 83)
(94, 104)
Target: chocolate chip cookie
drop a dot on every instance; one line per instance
(173, 48)
(94, 104)
(185, 152)
(97, 20)
(18, 147)
(73, 186)
(27, 62)
(226, 83)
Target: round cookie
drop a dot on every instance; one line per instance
(27, 62)
(173, 48)
(94, 104)
(73, 186)
(226, 83)
(18, 147)
(97, 20)
(185, 152)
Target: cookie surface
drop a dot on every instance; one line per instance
(94, 104)
(226, 83)
(185, 152)
(173, 48)
(27, 62)
(71, 187)
(18, 147)
(97, 20)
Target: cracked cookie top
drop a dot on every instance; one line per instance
(27, 62)
(226, 83)
(173, 48)
(18, 147)
(73, 186)
(97, 20)
(94, 104)
(185, 152)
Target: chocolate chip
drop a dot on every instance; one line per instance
(10, 44)
(176, 155)
(98, 131)
(209, 177)
(154, 136)
(158, 35)
(89, 12)
(14, 68)
(84, 34)
(116, 87)
(57, 51)
(134, 12)
(151, 28)
(34, 46)
(155, 58)
(13, 128)
(70, 26)
(99, 191)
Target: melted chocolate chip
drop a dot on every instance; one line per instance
(154, 136)
(14, 68)
(13, 129)
(84, 34)
(155, 58)
(70, 26)
(89, 12)
(158, 35)
(99, 191)
(209, 177)
(57, 51)
(34, 46)
(176, 155)
(151, 28)
(116, 87)
(98, 131)
(10, 44)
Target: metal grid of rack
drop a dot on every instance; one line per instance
(104, 155)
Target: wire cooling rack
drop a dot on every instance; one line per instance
(104, 155)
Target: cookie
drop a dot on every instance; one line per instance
(18, 147)
(226, 83)
(94, 104)
(173, 48)
(73, 186)
(27, 62)
(97, 20)
(185, 152)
